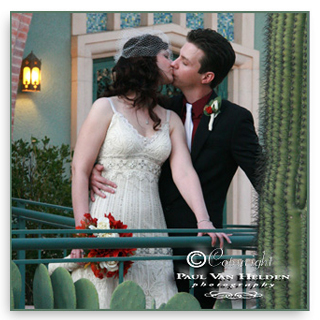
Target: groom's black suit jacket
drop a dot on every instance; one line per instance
(216, 155)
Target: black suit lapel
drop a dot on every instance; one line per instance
(200, 137)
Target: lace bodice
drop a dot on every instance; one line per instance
(126, 152)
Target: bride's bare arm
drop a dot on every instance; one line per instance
(89, 141)
(186, 179)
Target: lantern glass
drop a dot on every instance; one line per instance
(35, 76)
(26, 76)
(31, 73)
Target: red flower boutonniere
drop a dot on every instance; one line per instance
(212, 109)
(106, 268)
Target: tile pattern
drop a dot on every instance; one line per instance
(162, 17)
(130, 20)
(226, 25)
(97, 22)
(194, 20)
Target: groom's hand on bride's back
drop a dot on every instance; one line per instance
(98, 184)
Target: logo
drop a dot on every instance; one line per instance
(192, 256)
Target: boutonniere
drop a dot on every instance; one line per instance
(212, 109)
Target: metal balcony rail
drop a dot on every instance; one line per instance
(243, 238)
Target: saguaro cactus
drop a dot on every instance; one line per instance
(283, 200)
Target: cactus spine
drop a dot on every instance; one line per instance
(283, 200)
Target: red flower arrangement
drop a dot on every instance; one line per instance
(106, 268)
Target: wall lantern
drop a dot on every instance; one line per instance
(31, 73)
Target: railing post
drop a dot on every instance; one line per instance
(121, 270)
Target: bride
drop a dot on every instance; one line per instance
(132, 135)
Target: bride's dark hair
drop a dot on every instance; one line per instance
(139, 75)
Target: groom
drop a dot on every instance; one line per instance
(204, 61)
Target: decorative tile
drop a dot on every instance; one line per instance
(162, 17)
(96, 22)
(195, 20)
(226, 25)
(129, 20)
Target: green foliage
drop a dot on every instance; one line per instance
(15, 285)
(283, 201)
(41, 172)
(63, 289)
(42, 289)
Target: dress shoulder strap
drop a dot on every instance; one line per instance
(168, 115)
(112, 105)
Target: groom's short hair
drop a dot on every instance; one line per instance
(219, 56)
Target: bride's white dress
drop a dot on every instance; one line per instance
(134, 162)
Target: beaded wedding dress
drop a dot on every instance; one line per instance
(134, 162)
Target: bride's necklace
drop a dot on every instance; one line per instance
(130, 106)
(145, 121)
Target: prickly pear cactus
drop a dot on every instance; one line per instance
(128, 296)
(15, 284)
(182, 301)
(87, 295)
(223, 304)
(63, 289)
(42, 289)
(283, 201)
(11, 299)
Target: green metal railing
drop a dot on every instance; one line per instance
(243, 238)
